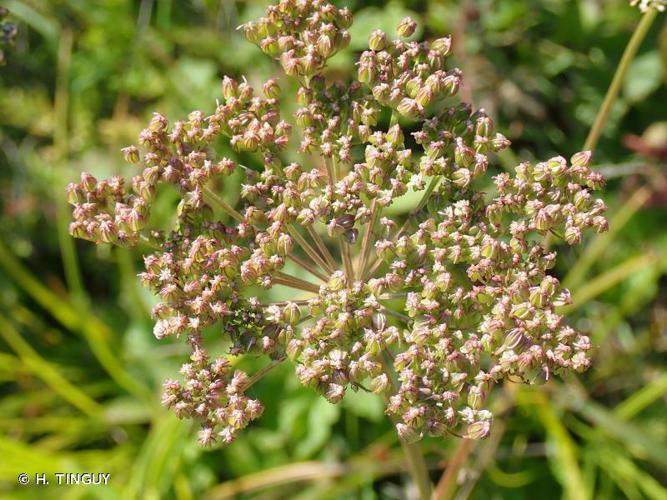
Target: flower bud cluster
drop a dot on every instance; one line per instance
(458, 299)
(408, 76)
(302, 35)
(343, 347)
(213, 394)
(550, 196)
(483, 309)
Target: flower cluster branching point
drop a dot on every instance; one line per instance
(429, 313)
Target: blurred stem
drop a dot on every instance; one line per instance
(307, 267)
(294, 282)
(345, 254)
(322, 247)
(213, 198)
(367, 242)
(45, 370)
(308, 249)
(621, 70)
(61, 147)
(447, 483)
(259, 374)
(413, 455)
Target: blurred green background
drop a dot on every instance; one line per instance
(80, 370)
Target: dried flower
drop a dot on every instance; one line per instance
(458, 298)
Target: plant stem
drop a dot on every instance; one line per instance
(259, 374)
(211, 196)
(447, 483)
(310, 251)
(307, 267)
(398, 315)
(621, 70)
(413, 455)
(286, 279)
(347, 259)
(367, 242)
(321, 246)
(61, 146)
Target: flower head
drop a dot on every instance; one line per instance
(430, 312)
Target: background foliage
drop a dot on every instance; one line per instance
(80, 370)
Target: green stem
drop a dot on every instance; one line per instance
(633, 45)
(213, 198)
(307, 267)
(322, 246)
(367, 242)
(294, 282)
(412, 451)
(259, 374)
(308, 249)
(61, 145)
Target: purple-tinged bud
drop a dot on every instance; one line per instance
(408, 107)
(582, 199)
(406, 27)
(380, 384)
(381, 93)
(336, 281)
(325, 46)
(478, 430)
(424, 96)
(270, 46)
(344, 18)
(581, 159)
(572, 235)
(483, 126)
(513, 339)
(412, 86)
(251, 32)
(229, 88)
(407, 434)
(75, 194)
(475, 397)
(543, 220)
(442, 45)
(500, 142)
(284, 245)
(521, 311)
(335, 393)
(78, 230)
(557, 165)
(366, 72)
(343, 39)
(88, 182)
(461, 177)
(379, 321)
(377, 41)
(600, 224)
(292, 313)
(395, 135)
(130, 154)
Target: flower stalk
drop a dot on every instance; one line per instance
(619, 77)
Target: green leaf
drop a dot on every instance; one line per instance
(644, 77)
